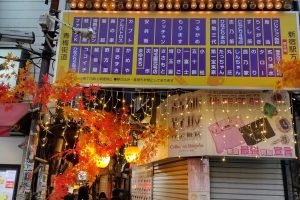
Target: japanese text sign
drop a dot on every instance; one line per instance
(190, 49)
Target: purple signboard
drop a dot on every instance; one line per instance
(106, 60)
(127, 61)
(276, 32)
(103, 30)
(95, 27)
(180, 32)
(202, 62)
(74, 58)
(221, 62)
(155, 61)
(222, 31)
(163, 61)
(117, 60)
(130, 30)
(231, 32)
(178, 62)
(162, 31)
(148, 59)
(95, 60)
(277, 59)
(76, 24)
(245, 62)
(262, 62)
(86, 23)
(194, 62)
(112, 30)
(197, 31)
(171, 61)
(186, 61)
(249, 32)
(237, 62)
(85, 57)
(267, 32)
(146, 31)
(270, 63)
(254, 62)
(213, 61)
(121, 28)
(258, 32)
(229, 62)
(214, 31)
(240, 31)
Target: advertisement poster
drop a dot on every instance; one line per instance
(190, 49)
(225, 123)
(7, 184)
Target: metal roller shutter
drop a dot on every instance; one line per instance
(246, 180)
(170, 180)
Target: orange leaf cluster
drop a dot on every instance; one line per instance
(290, 74)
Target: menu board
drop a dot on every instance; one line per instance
(7, 184)
(175, 49)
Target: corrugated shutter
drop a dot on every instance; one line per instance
(170, 180)
(246, 179)
(104, 184)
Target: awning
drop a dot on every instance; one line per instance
(10, 114)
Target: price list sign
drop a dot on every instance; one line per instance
(190, 50)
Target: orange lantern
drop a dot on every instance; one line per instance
(102, 161)
(131, 153)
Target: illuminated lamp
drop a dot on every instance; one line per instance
(97, 5)
(89, 5)
(81, 4)
(210, 5)
(177, 5)
(193, 5)
(131, 153)
(137, 5)
(152, 6)
(278, 5)
(169, 5)
(102, 161)
(235, 5)
(161, 5)
(244, 5)
(113, 5)
(270, 5)
(227, 5)
(219, 5)
(128, 5)
(105, 5)
(185, 5)
(252, 5)
(73, 4)
(145, 5)
(202, 5)
(261, 5)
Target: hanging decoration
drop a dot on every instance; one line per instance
(100, 134)
(131, 153)
(290, 74)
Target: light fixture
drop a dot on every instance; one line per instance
(252, 5)
(227, 4)
(278, 4)
(244, 5)
(185, 5)
(270, 5)
(112, 5)
(128, 5)
(261, 5)
(89, 5)
(120, 5)
(193, 4)
(219, 5)
(177, 5)
(202, 5)
(152, 5)
(235, 5)
(169, 5)
(145, 5)
(287, 5)
(131, 153)
(105, 5)
(210, 5)
(81, 4)
(73, 4)
(97, 5)
(102, 161)
(161, 4)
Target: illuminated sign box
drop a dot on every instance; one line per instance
(176, 49)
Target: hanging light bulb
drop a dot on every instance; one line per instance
(81, 4)
(145, 5)
(112, 5)
(227, 4)
(193, 4)
(104, 4)
(278, 5)
(102, 161)
(177, 5)
(120, 5)
(185, 5)
(97, 5)
(89, 5)
(152, 5)
(219, 5)
(131, 153)
(137, 5)
(244, 5)
(252, 5)
(210, 5)
(161, 4)
(235, 5)
(73, 4)
(287, 5)
(202, 5)
(128, 5)
(270, 5)
(169, 5)
(261, 5)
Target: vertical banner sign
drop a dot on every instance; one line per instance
(190, 49)
(224, 123)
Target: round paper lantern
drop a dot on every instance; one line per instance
(102, 161)
(131, 153)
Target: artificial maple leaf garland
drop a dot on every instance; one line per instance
(290, 71)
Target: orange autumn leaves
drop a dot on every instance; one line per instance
(290, 74)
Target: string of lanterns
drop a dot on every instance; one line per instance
(203, 5)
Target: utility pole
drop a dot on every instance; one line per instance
(25, 188)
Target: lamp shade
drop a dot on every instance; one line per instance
(102, 161)
(131, 153)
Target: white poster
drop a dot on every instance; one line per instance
(7, 184)
(227, 123)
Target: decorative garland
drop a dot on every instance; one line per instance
(290, 74)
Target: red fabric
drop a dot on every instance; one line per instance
(4, 131)
(10, 114)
